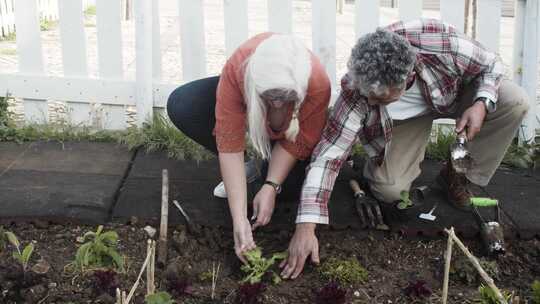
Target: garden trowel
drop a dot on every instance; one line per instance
(460, 157)
(491, 232)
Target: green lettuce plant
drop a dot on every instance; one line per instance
(258, 266)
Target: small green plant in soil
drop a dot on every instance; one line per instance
(331, 293)
(258, 266)
(405, 201)
(22, 257)
(250, 293)
(525, 155)
(535, 292)
(487, 295)
(462, 269)
(99, 251)
(161, 297)
(347, 271)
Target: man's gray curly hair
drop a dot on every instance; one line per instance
(380, 61)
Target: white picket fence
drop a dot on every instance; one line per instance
(147, 92)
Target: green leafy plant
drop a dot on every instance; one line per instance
(161, 297)
(258, 266)
(405, 201)
(536, 292)
(525, 155)
(463, 270)
(487, 295)
(347, 271)
(99, 251)
(439, 149)
(23, 257)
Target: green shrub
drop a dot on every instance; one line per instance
(487, 295)
(161, 297)
(536, 292)
(343, 271)
(99, 251)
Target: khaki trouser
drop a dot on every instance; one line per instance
(404, 154)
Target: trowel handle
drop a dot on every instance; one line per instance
(483, 202)
(356, 188)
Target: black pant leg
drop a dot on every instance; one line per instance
(192, 109)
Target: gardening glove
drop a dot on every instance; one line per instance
(243, 239)
(303, 243)
(263, 206)
(472, 120)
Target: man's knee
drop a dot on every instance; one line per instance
(386, 193)
(513, 99)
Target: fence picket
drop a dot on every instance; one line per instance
(74, 54)
(156, 42)
(192, 39)
(488, 25)
(366, 19)
(453, 12)
(409, 9)
(144, 73)
(236, 24)
(108, 24)
(531, 54)
(280, 16)
(30, 55)
(324, 35)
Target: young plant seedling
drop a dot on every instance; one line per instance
(99, 251)
(405, 201)
(258, 266)
(487, 295)
(250, 293)
(106, 281)
(536, 292)
(347, 271)
(23, 257)
(161, 297)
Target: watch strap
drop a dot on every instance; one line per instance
(276, 186)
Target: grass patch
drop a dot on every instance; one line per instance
(90, 11)
(161, 135)
(439, 149)
(8, 52)
(9, 37)
(47, 25)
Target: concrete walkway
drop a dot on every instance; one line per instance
(98, 182)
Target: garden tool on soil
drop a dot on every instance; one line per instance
(460, 157)
(491, 232)
(367, 205)
(190, 225)
(429, 216)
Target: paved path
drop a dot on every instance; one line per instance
(98, 182)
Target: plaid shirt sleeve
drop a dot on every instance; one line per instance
(336, 142)
(476, 62)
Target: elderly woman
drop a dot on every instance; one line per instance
(273, 86)
(400, 78)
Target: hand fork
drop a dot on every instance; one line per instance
(370, 206)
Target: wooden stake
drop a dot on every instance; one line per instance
(118, 296)
(162, 249)
(476, 264)
(447, 267)
(132, 291)
(149, 278)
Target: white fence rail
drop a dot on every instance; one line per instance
(148, 92)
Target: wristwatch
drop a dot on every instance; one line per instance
(491, 106)
(276, 187)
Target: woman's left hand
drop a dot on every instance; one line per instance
(263, 206)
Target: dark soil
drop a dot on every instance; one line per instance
(392, 262)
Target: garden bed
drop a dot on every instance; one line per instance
(392, 264)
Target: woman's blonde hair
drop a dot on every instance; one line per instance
(279, 62)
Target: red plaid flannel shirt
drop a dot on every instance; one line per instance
(446, 61)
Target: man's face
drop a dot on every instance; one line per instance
(389, 96)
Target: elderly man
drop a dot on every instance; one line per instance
(399, 80)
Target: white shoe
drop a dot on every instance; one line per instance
(219, 191)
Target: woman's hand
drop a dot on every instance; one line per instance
(243, 238)
(304, 243)
(263, 205)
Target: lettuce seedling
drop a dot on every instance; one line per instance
(106, 281)
(258, 266)
(161, 297)
(405, 201)
(536, 292)
(99, 251)
(330, 293)
(23, 257)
